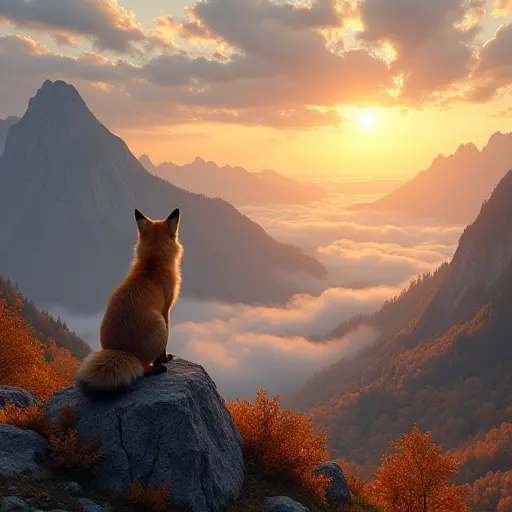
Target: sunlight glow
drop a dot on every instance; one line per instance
(366, 121)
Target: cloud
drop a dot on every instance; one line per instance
(104, 22)
(244, 347)
(502, 7)
(494, 70)
(431, 38)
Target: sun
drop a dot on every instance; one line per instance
(366, 121)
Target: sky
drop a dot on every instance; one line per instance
(332, 89)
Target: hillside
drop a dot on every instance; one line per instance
(5, 124)
(45, 327)
(69, 189)
(453, 187)
(235, 184)
(449, 369)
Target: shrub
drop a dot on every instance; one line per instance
(39, 368)
(155, 498)
(281, 441)
(67, 451)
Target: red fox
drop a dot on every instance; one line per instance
(135, 326)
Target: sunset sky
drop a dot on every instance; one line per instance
(327, 88)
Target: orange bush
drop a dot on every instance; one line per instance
(417, 478)
(156, 498)
(27, 363)
(67, 451)
(281, 441)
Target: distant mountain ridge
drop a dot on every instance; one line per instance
(5, 124)
(446, 368)
(453, 187)
(235, 184)
(69, 191)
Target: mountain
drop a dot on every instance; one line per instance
(69, 189)
(447, 368)
(454, 187)
(5, 124)
(45, 327)
(235, 184)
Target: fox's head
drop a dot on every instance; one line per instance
(158, 239)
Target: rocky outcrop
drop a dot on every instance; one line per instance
(283, 504)
(17, 396)
(20, 451)
(171, 429)
(338, 491)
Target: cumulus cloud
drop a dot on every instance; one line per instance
(494, 69)
(431, 38)
(105, 22)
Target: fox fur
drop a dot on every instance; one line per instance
(135, 326)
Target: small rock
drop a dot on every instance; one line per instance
(338, 492)
(71, 488)
(13, 504)
(90, 506)
(17, 396)
(283, 504)
(12, 488)
(21, 451)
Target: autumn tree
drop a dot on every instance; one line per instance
(27, 363)
(417, 478)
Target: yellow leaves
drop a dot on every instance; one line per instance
(417, 478)
(281, 441)
(27, 363)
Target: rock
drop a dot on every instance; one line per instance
(13, 504)
(17, 396)
(90, 506)
(71, 488)
(338, 492)
(283, 504)
(171, 429)
(12, 488)
(21, 451)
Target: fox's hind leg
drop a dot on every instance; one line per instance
(155, 369)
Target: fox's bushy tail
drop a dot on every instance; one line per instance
(105, 373)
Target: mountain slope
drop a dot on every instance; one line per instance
(5, 124)
(454, 187)
(69, 191)
(235, 184)
(46, 327)
(449, 369)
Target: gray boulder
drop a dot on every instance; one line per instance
(21, 451)
(338, 492)
(283, 504)
(90, 506)
(73, 488)
(13, 504)
(17, 396)
(171, 429)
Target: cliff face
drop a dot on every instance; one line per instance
(69, 189)
(5, 124)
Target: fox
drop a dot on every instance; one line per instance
(135, 326)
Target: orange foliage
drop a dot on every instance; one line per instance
(28, 364)
(31, 417)
(67, 451)
(417, 478)
(156, 498)
(492, 492)
(281, 442)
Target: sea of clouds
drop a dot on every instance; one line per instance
(369, 257)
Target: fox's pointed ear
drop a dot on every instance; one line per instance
(173, 222)
(142, 221)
